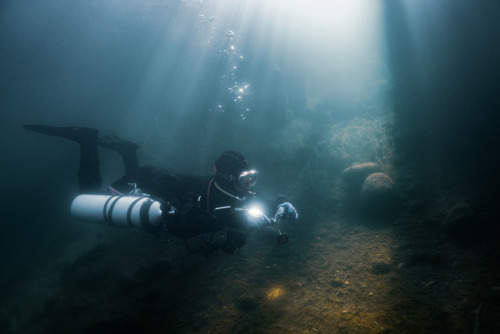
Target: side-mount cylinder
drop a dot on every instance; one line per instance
(117, 210)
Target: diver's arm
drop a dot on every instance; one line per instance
(186, 219)
(279, 208)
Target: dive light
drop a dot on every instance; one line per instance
(255, 214)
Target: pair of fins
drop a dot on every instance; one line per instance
(84, 135)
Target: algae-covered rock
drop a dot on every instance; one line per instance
(461, 221)
(355, 175)
(379, 196)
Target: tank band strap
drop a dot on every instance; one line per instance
(110, 212)
(105, 209)
(144, 216)
(129, 211)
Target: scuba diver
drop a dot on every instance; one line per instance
(216, 208)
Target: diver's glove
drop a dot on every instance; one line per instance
(168, 210)
(286, 211)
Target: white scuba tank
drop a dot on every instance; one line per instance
(117, 210)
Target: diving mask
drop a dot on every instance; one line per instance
(247, 179)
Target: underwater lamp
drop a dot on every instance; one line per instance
(255, 212)
(256, 216)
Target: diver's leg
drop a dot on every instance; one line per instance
(89, 176)
(131, 163)
(126, 149)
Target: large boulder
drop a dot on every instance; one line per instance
(379, 197)
(355, 175)
(461, 221)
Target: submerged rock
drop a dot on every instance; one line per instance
(355, 175)
(461, 221)
(378, 196)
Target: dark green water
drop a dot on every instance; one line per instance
(304, 89)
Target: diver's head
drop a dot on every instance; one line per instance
(232, 172)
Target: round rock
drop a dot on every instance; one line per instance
(378, 196)
(355, 175)
(461, 221)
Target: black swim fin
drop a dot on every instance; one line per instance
(117, 144)
(78, 134)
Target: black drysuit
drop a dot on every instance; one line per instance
(194, 199)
